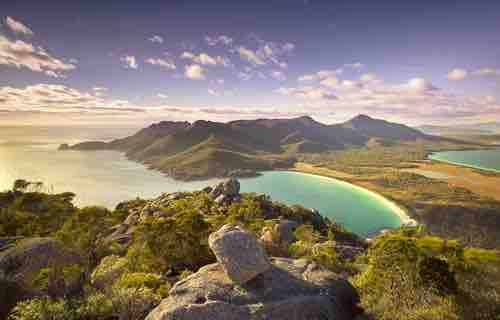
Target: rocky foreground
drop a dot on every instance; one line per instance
(246, 284)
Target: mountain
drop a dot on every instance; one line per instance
(205, 149)
(377, 128)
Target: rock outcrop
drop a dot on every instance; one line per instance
(281, 234)
(239, 253)
(21, 264)
(279, 288)
(289, 290)
(226, 191)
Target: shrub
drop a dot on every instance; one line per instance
(42, 309)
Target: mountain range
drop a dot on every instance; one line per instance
(204, 149)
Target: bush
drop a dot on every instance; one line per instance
(42, 309)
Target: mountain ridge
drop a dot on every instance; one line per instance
(205, 149)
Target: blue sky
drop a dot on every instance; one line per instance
(137, 62)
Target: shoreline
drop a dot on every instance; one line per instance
(404, 217)
(470, 166)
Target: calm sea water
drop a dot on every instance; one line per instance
(107, 177)
(481, 159)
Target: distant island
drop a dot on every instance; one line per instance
(205, 149)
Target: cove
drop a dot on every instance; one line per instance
(106, 178)
(356, 208)
(479, 159)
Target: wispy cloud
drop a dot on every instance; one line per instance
(129, 62)
(250, 56)
(17, 26)
(221, 39)
(487, 72)
(308, 92)
(60, 98)
(22, 54)
(220, 93)
(167, 64)
(206, 59)
(194, 72)
(457, 74)
(156, 39)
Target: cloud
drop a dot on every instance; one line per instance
(156, 39)
(250, 56)
(61, 99)
(457, 74)
(278, 75)
(330, 81)
(194, 72)
(129, 62)
(219, 93)
(355, 66)
(350, 84)
(22, 54)
(487, 72)
(415, 100)
(420, 85)
(221, 39)
(307, 92)
(162, 96)
(17, 26)
(167, 64)
(320, 75)
(368, 77)
(205, 59)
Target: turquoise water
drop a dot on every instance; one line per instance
(480, 159)
(356, 208)
(107, 177)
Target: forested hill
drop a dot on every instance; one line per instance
(206, 149)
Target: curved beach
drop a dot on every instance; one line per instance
(400, 212)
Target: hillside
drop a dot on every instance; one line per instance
(206, 149)
(172, 257)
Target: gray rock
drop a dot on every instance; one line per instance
(289, 290)
(239, 253)
(221, 199)
(20, 266)
(217, 191)
(279, 237)
(231, 187)
(110, 268)
(132, 218)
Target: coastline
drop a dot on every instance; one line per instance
(465, 165)
(403, 215)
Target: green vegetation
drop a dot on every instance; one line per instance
(403, 274)
(446, 210)
(408, 275)
(207, 149)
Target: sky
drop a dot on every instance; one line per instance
(132, 63)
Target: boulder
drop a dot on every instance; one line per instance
(21, 264)
(277, 239)
(239, 253)
(231, 187)
(288, 290)
(109, 269)
(217, 191)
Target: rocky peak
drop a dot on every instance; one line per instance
(247, 285)
(239, 253)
